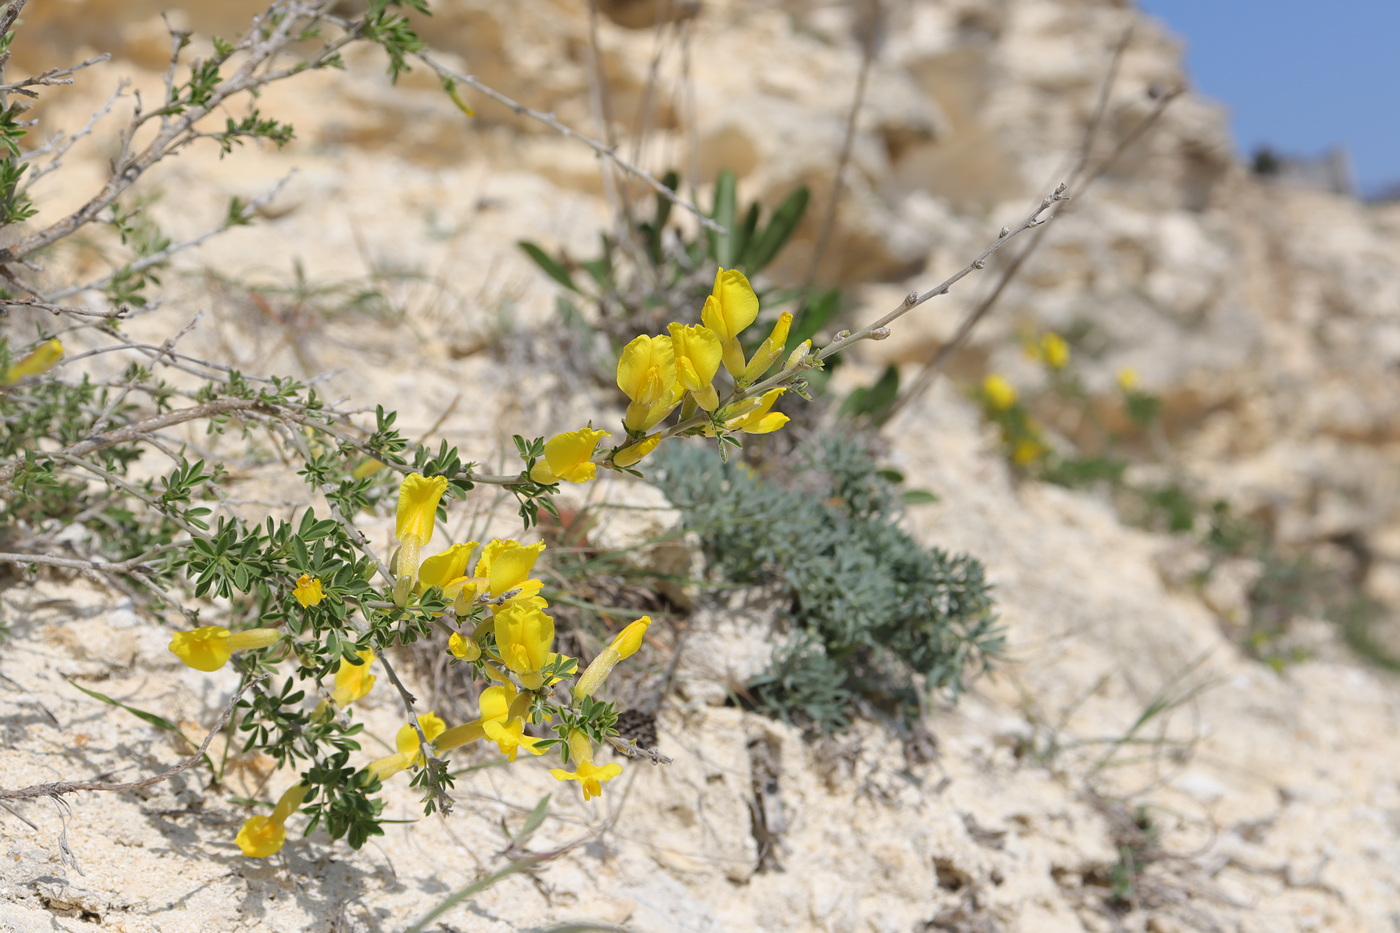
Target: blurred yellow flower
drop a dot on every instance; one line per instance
(409, 753)
(353, 681)
(1052, 351)
(998, 393)
(36, 362)
(1128, 379)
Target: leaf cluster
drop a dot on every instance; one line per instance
(872, 613)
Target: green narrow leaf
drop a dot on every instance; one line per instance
(546, 262)
(779, 230)
(536, 817)
(159, 722)
(744, 236)
(471, 890)
(726, 214)
(821, 308)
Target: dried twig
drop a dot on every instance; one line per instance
(56, 788)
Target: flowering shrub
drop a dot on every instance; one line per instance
(311, 617)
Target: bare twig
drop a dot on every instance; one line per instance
(53, 75)
(1081, 178)
(549, 120)
(57, 788)
(870, 40)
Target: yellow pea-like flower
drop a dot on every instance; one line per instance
(36, 362)
(524, 637)
(569, 456)
(590, 777)
(261, 836)
(463, 647)
(622, 647)
(768, 352)
(755, 416)
(630, 455)
(731, 307)
(504, 567)
(409, 753)
(417, 514)
(209, 647)
(646, 374)
(698, 355)
(308, 590)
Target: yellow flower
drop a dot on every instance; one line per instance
(1052, 350)
(409, 753)
(366, 467)
(448, 571)
(754, 416)
(308, 590)
(504, 567)
(208, 647)
(697, 352)
(1127, 379)
(768, 351)
(462, 647)
(590, 776)
(1027, 451)
(36, 362)
(524, 635)
(418, 502)
(568, 456)
(998, 393)
(646, 374)
(630, 455)
(731, 307)
(262, 836)
(353, 681)
(622, 647)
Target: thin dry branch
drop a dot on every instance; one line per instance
(549, 120)
(1082, 179)
(58, 788)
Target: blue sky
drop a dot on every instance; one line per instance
(1300, 75)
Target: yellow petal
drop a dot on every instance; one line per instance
(524, 636)
(261, 837)
(37, 361)
(510, 568)
(735, 305)
(418, 502)
(446, 566)
(308, 590)
(353, 681)
(630, 455)
(462, 647)
(204, 649)
(768, 351)
(570, 456)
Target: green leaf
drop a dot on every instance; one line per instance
(536, 817)
(159, 722)
(546, 262)
(918, 497)
(726, 214)
(820, 309)
(779, 230)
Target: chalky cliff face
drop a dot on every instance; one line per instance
(1267, 318)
